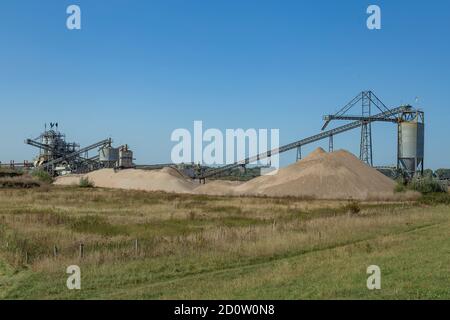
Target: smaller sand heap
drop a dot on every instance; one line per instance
(166, 179)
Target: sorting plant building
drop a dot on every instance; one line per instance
(59, 157)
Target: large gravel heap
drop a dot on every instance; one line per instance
(321, 175)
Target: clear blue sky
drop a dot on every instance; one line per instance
(140, 69)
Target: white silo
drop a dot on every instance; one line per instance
(411, 141)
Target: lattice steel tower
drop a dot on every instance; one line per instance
(365, 153)
(367, 100)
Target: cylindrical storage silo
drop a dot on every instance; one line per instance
(411, 142)
(125, 157)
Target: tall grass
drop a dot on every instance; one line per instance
(19, 182)
(165, 236)
(435, 199)
(108, 221)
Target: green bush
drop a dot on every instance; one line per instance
(86, 183)
(42, 176)
(423, 185)
(427, 185)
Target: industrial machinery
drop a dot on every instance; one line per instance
(59, 157)
(410, 135)
(51, 144)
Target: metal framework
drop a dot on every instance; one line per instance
(365, 153)
(77, 153)
(386, 114)
(299, 153)
(54, 151)
(368, 100)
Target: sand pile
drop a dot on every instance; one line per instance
(321, 175)
(166, 179)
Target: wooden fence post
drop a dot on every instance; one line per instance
(81, 250)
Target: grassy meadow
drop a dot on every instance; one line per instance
(148, 245)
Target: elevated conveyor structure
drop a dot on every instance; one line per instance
(385, 115)
(77, 153)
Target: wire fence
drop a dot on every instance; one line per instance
(26, 254)
(22, 252)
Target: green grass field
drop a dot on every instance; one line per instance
(204, 247)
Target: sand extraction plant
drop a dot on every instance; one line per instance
(332, 175)
(323, 175)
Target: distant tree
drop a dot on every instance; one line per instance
(443, 174)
